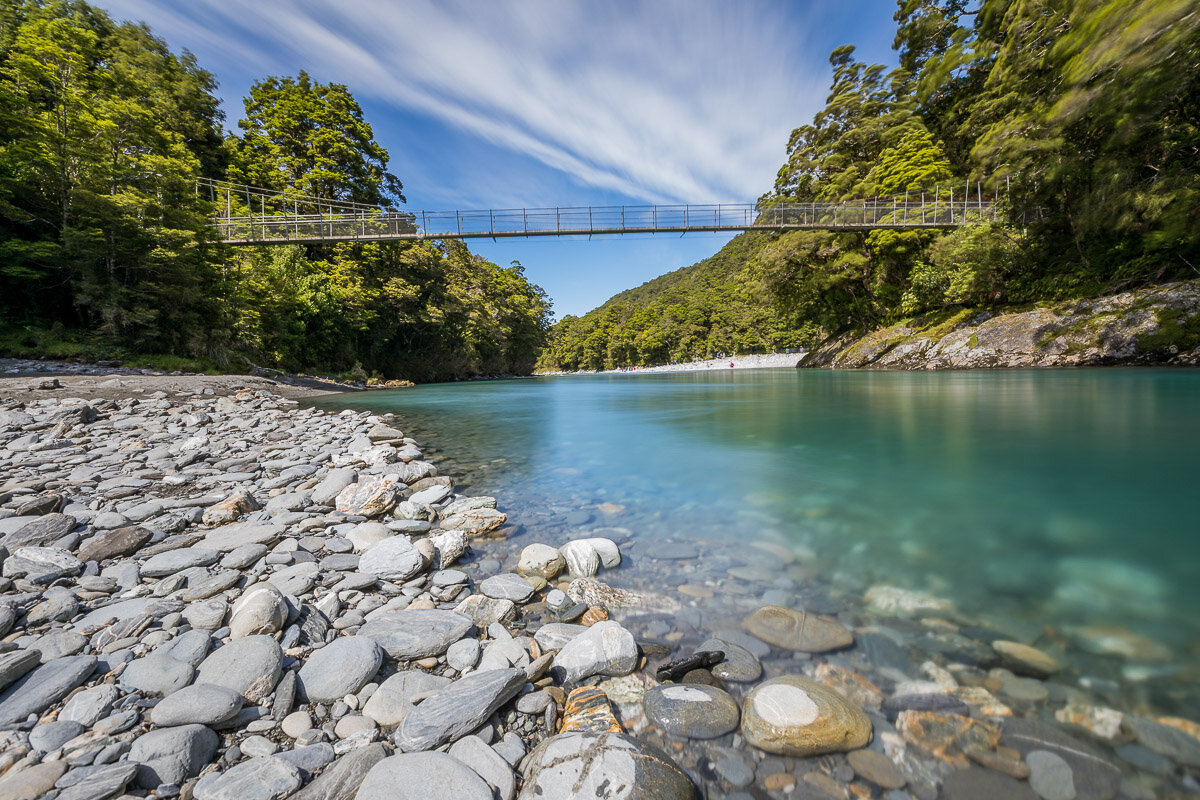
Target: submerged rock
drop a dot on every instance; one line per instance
(795, 716)
(798, 630)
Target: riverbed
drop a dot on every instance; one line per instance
(1052, 504)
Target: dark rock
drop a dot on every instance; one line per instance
(674, 670)
(977, 783)
(1095, 778)
(42, 532)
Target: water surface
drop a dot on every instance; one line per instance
(1028, 498)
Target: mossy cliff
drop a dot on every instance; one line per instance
(1159, 325)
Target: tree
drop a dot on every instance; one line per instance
(311, 138)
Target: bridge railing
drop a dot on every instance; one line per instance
(375, 224)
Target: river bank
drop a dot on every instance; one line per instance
(196, 601)
(1158, 325)
(753, 361)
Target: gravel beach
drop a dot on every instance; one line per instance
(211, 592)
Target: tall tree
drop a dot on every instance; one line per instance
(312, 138)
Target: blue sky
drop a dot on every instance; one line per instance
(542, 103)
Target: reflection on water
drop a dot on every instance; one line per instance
(1062, 497)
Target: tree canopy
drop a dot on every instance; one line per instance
(106, 247)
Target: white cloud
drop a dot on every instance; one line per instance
(665, 101)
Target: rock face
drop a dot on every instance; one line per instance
(457, 709)
(1118, 329)
(794, 716)
(797, 630)
(607, 765)
(340, 668)
(605, 648)
(422, 776)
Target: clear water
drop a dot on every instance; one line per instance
(1060, 498)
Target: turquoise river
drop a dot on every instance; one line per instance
(1053, 503)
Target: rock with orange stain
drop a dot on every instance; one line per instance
(1102, 722)
(946, 736)
(1179, 723)
(593, 615)
(588, 711)
(850, 684)
(980, 698)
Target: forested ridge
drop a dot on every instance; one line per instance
(1082, 116)
(106, 250)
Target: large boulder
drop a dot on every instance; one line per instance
(573, 766)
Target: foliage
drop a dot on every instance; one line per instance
(707, 310)
(102, 133)
(106, 248)
(312, 138)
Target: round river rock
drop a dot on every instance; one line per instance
(795, 716)
(692, 711)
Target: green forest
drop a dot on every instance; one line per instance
(106, 250)
(1081, 116)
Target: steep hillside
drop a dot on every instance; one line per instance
(708, 309)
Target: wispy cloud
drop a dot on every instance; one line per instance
(666, 101)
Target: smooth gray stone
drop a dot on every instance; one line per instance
(41, 532)
(340, 562)
(423, 776)
(1050, 776)
(41, 565)
(605, 648)
(173, 561)
(157, 675)
(96, 783)
(1095, 777)
(327, 490)
(463, 654)
(1165, 740)
(740, 665)
(38, 690)
(59, 644)
(339, 668)
(692, 711)
(342, 778)
(58, 605)
(250, 665)
(125, 609)
(507, 586)
(487, 764)
(190, 647)
(263, 778)
(555, 635)
(200, 703)
(32, 781)
(609, 765)
(511, 748)
(244, 556)
(207, 614)
(123, 541)
(88, 706)
(976, 783)
(8, 615)
(310, 758)
(17, 663)
(53, 735)
(400, 693)
(420, 633)
(457, 709)
(207, 587)
(172, 755)
(231, 537)
(394, 559)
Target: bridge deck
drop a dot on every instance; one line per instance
(375, 225)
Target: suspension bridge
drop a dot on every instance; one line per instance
(248, 215)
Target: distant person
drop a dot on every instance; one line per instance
(731, 365)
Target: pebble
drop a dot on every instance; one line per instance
(200, 703)
(605, 648)
(795, 716)
(339, 668)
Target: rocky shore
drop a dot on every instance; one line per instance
(234, 597)
(1160, 325)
